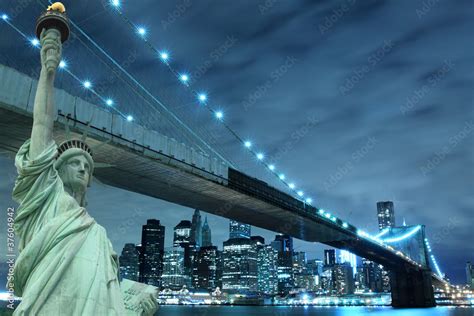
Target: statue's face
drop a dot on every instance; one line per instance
(75, 173)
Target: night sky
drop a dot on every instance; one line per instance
(355, 101)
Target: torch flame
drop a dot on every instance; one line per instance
(57, 6)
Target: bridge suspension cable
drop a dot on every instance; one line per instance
(203, 100)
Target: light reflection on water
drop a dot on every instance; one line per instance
(309, 311)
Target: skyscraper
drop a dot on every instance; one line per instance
(343, 279)
(470, 275)
(205, 268)
(304, 279)
(239, 230)
(182, 238)
(206, 234)
(196, 229)
(371, 276)
(240, 273)
(267, 261)
(151, 254)
(129, 262)
(284, 245)
(385, 214)
(173, 276)
(346, 256)
(182, 233)
(329, 257)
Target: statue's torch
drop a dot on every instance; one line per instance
(54, 18)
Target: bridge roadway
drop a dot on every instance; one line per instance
(132, 158)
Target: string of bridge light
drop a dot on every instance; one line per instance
(63, 65)
(433, 259)
(203, 100)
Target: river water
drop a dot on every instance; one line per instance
(309, 311)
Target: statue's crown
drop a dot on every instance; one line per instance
(73, 143)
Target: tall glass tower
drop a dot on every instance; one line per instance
(152, 251)
(385, 214)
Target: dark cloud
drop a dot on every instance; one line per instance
(422, 157)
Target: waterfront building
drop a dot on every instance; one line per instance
(129, 268)
(343, 280)
(151, 252)
(284, 245)
(240, 272)
(267, 262)
(183, 239)
(173, 276)
(205, 269)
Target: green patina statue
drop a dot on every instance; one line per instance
(66, 265)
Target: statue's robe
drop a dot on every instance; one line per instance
(66, 264)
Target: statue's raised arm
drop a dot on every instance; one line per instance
(44, 108)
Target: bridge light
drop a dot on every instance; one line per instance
(321, 211)
(87, 84)
(4, 17)
(219, 115)
(333, 219)
(281, 176)
(202, 97)
(62, 64)
(115, 3)
(34, 42)
(248, 144)
(184, 78)
(260, 156)
(141, 31)
(109, 102)
(309, 200)
(291, 185)
(300, 193)
(164, 56)
(129, 118)
(327, 215)
(345, 225)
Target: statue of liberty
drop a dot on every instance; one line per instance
(66, 265)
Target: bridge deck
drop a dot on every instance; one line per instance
(126, 163)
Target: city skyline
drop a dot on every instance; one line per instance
(349, 148)
(249, 264)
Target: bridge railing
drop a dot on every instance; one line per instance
(17, 91)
